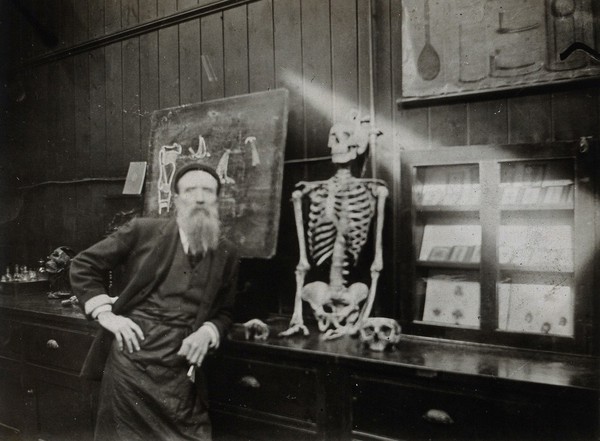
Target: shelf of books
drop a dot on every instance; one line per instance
(447, 203)
(497, 250)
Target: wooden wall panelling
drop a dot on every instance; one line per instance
(185, 4)
(391, 227)
(115, 164)
(98, 113)
(130, 13)
(132, 140)
(344, 42)
(190, 67)
(166, 7)
(67, 151)
(83, 192)
(51, 209)
(148, 10)
(148, 84)
(448, 125)
(96, 12)
(112, 16)
(67, 23)
(168, 66)
(529, 119)
(363, 60)
(385, 156)
(261, 50)
(81, 23)
(211, 32)
(287, 36)
(235, 50)
(568, 122)
(287, 47)
(317, 83)
(488, 122)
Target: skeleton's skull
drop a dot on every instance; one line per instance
(380, 333)
(347, 140)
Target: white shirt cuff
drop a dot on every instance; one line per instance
(215, 339)
(96, 301)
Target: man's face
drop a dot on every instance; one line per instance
(197, 190)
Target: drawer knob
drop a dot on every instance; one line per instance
(249, 381)
(438, 417)
(52, 344)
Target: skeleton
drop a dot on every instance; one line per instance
(339, 218)
(167, 158)
(380, 333)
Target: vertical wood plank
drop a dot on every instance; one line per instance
(384, 155)
(166, 7)
(96, 17)
(190, 69)
(132, 141)
(288, 70)
(211, 31)
(148, 10)
(81, 21)
(344, 47)
(168, 66)
(83, 154)
(529, 119)
(288, 73)
(148, 70)
(114, 111)
(488, 122)
(186, 4)
(112, 16)
(316, 67)
(363, 62)
(149, 101)
(568, 122)
(130, 13)
(97, 113)
(261, 55)
(235, 50)
(67, 23)
(448, 125)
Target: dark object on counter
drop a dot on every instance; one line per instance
(17, 288)
(57, 268)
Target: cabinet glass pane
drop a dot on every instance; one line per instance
(454, 185)
(448, 245)
(536, 248)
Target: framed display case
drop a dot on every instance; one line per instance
(502, 245)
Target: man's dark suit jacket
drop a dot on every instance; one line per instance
(145, 247)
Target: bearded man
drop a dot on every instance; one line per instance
(176, 305)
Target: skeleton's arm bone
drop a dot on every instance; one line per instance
(377, 265)
(297, 323)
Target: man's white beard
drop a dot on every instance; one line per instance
(202, 227)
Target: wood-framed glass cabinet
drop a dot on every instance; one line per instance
(500, 245)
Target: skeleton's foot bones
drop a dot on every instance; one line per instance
(293, 330)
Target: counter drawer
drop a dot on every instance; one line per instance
(279, 390)
(10, 338)
(54, 347)
(403, 411)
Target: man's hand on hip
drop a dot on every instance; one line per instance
(126, 331)
(195, 346)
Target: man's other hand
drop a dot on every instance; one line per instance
(126, 331)
(195, 346)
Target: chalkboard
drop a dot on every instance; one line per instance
(243, 138)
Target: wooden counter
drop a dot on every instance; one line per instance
(307, 388)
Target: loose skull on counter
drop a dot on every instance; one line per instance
(380, 333)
